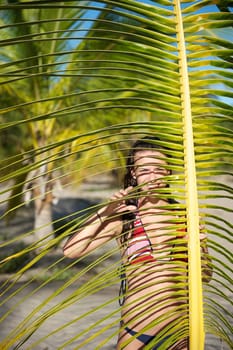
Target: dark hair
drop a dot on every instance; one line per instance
(148, 142)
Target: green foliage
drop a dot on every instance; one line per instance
(79, 82)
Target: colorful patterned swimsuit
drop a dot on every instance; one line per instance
(139, 247)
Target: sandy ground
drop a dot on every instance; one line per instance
(36, 300)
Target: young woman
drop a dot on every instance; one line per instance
(151, 237)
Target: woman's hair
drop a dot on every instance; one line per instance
(148, 142)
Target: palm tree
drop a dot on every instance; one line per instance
(30, 85)
(136, 68)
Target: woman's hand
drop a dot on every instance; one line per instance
(202, 235)
(118, 204)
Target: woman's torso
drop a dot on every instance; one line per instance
(153, 282)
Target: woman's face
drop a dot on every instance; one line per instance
(150, 167)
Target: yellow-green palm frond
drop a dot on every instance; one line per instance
(80, 82)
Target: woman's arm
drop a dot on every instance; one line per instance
(96, 231)
(206, 264)
(100, 228)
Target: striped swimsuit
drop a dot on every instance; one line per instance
(139, 247)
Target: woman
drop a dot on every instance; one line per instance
(151, 238)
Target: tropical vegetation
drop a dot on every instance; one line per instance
(79, 81)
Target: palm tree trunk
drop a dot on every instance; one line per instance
(43, 197)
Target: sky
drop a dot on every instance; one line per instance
(93, 13)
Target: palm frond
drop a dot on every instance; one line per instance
(79, 82)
